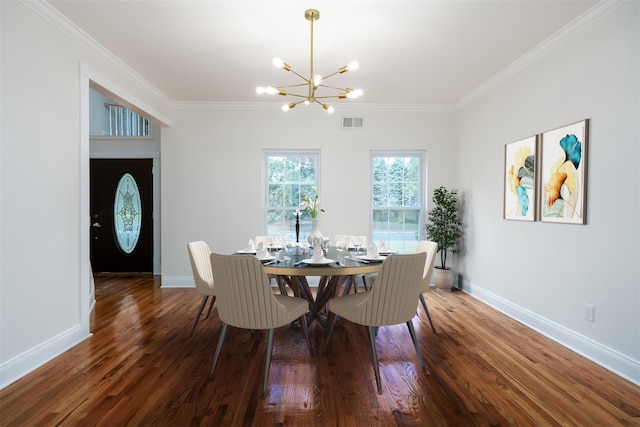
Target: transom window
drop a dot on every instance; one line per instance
(397, 202)
(290, 175)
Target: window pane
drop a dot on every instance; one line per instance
(380, 195)
(411, 194)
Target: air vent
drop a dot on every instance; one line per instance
(352, 122)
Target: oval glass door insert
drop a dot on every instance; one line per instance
(127, 213)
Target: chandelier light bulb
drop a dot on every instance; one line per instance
(317, 80)
(278, 63)
(354, 94)
(329, 108)
(270, 90)
(306, 102)
(287, 107)
(353, 65)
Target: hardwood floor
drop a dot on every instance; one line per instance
(141, 368)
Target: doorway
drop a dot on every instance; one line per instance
(121, 211)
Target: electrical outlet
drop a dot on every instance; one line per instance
(589, 312)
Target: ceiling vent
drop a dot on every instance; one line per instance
(352, 122)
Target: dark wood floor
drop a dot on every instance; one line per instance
(141, 368)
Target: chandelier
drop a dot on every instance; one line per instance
(313, 83)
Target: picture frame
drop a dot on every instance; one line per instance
(520, 184)
(563, 174)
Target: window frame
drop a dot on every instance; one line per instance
(421, 203)
(267, 154)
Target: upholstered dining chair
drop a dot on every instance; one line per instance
(430, 248)
(245, 300)
(392, 300)
(199, 253)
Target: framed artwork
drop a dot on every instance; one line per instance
(520, 180)
(563, 172)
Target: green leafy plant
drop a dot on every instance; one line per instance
(443, 222)
(311, 203)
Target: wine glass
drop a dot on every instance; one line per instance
(357, 242)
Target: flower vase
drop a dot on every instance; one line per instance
(315, 234)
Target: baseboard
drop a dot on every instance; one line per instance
(612, 360)
(177, 282)
(21, 365)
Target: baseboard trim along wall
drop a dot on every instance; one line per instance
(612, 360)
(19, 366)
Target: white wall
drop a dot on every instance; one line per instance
(44, 268)
(212, 170)
(544, 273)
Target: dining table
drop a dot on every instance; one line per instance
(338, 271)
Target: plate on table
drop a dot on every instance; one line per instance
(386, 253)
(378, 258)
(245, 252)
(266, 258)
(325, 261)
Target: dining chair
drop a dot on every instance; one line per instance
(245, 300)
(199, 254)
(430, 248)
(392, 300)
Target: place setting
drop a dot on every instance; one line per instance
(263, 254)
(317, 257)
(250, 249)
(376, 252)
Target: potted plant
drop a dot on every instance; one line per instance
(445, 228)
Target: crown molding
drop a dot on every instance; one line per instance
(589, 17)
(62, 23)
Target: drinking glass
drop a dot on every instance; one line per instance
(357, 242)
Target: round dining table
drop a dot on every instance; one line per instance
(339, 270)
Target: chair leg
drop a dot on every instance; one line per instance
(213, 300)
(332, 323)
(202, 304)
(223, 332)
(281, 285)
(374, 354)
(426, 310)
(305, 328)
(414, 338)
(364, 282)
(268, 362)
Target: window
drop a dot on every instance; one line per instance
(109, 119)
(397, 205)
(124, 122)
(290, 175)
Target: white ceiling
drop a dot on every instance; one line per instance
(410, 52)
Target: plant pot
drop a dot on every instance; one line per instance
(443, 278)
